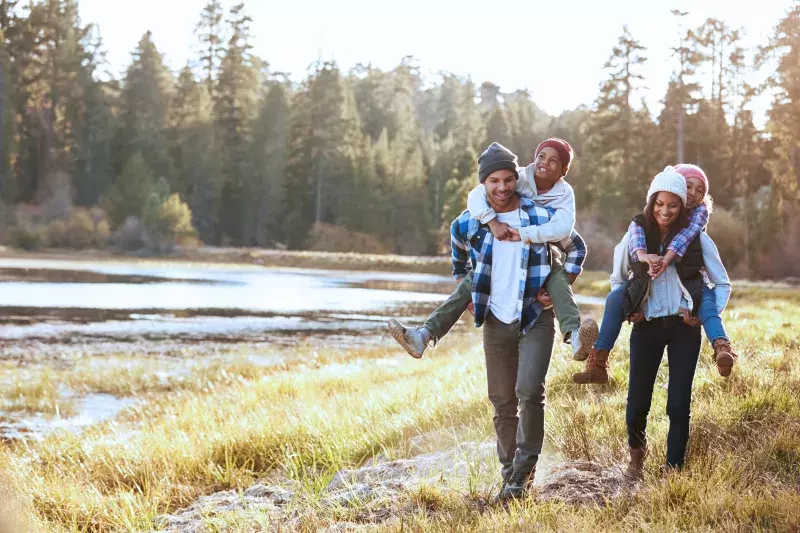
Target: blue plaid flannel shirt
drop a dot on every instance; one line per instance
(698, 219)
(471, 244)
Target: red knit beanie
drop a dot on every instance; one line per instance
(561, 146)
(692, 171)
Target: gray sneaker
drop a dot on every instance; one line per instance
(411, 339)
(583, 339)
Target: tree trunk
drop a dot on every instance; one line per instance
(679, 131)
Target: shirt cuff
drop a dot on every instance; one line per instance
(677, 252)
(572, 268)
(488, 217)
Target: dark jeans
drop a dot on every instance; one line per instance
(613, 317)
(648, 340)
(515, 370)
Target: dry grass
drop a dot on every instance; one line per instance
(226, 422)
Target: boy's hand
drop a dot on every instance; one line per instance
(471, 308)
(500, 230)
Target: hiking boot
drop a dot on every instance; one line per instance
(583, 338)
(724, 357)
(413, 340)
(517, 486)
(596, 370)
(636, 464)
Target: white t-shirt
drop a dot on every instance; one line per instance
(506, 260)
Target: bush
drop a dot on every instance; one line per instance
(168, 220)
(25, 237)
(330, 238)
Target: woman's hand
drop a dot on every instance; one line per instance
(635, 318)
(689, 319)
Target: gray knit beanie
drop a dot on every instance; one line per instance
(496, 157)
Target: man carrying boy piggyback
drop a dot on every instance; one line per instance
(543, 182)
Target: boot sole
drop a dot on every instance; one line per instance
(588, 333)
(724, 365)
(398, 333)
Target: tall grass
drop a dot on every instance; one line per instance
(229, 423)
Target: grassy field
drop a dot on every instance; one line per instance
(212, 424)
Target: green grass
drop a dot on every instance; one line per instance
(225, 423)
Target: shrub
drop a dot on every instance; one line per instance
(330, 238)
(25, 237)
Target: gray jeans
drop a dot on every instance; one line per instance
(516, 369)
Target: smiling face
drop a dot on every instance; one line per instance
(548, 167)
(500, 188)
(666, 209)
(695, 192)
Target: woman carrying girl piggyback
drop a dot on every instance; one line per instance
(663, 309)
(699, 206)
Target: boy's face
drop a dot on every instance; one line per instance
(500, 188)
(548, 166)
(695, 192)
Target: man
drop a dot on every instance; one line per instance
(507, 300)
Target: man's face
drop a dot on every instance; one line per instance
(695, 192)
(548, 165)
(500, 187)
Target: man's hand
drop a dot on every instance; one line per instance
(500, 230)
(572, 278)
(635, 318)
(544, 298)
(689, 319)
(471, 308)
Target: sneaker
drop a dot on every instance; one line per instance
(517, 486)
(411, 339)
(583, 338)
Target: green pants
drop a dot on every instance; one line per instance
(557, 285)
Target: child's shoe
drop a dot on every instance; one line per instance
(596, 370)
(724, 356)
(413, 340)
(583, 338)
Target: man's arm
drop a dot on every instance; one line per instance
(575, 248)
(459, 249)
(716, 272)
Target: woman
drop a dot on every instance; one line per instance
(663, 311)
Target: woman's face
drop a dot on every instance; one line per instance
(667, 208)
(695, 192)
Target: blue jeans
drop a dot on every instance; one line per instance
(613, 318)
(648, 340)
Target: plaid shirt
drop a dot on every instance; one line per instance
(698, 219)
(472, 242)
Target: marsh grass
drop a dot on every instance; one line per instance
(223, 423)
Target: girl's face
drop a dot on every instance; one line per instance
(667, 208)
(695, 192)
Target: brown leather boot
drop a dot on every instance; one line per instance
(596, 370)
(636, 464)
(724, 357)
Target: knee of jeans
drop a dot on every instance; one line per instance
(531, 394)
(680, 410)
(503, 405)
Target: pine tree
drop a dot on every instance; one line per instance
(209, 31)
(146, 96)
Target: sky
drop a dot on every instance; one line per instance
(555, 50)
